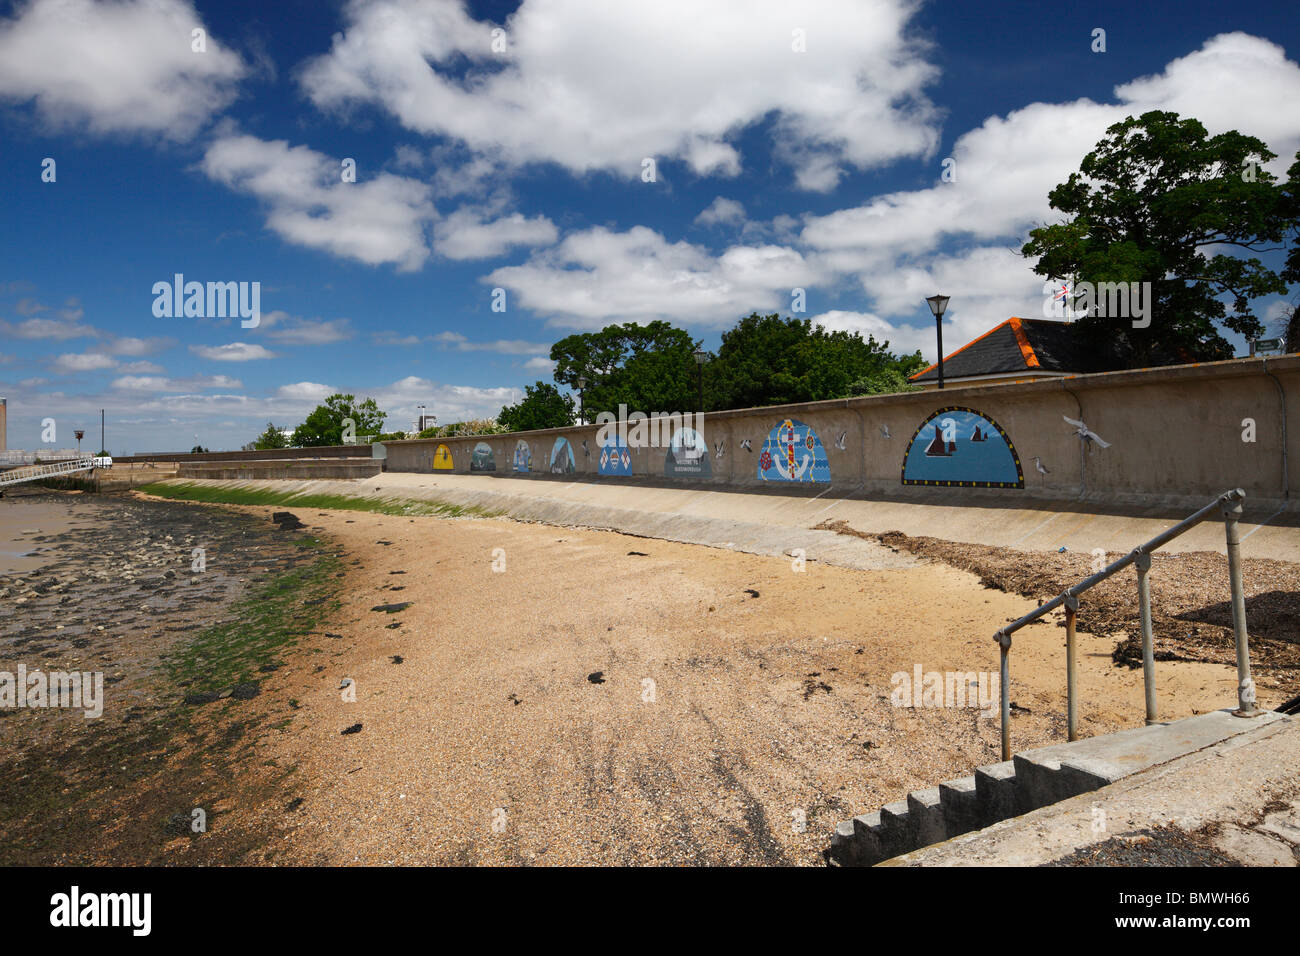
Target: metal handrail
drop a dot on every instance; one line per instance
(1230, 504)
(36, 472)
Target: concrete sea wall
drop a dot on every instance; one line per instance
(1173, 434)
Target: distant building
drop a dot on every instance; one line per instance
(1018, 350)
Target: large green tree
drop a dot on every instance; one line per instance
(324, 426)
(543, 406)
(768, 360)
(273, 437)
(647, 367)
(1159, 201)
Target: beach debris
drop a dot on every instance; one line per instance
(335, 636)
(639, 554)
(294, 804)
(346, 682)
(397, 658)
(751, 592)
(596, 677)
(287, 521)
(198, 697)
(392, 627)
(246, 691)
(515, 699)
(391, 608)
(354, 729)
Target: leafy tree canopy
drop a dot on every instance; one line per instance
(768, 360)
(1157, 200)
(324, 426)
(647, 367)
(543, 406)
(273, 437)
(475, 426)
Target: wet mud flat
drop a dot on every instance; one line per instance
(183, 610)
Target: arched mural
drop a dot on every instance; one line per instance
(483, 459)
(793, 452)
(562, 462)
(687, 455)
(960, 447)
(615, 457)
(523, 456)
(442, 458)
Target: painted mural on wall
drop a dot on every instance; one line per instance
(793, 452)
(483, 459)
(960, 447)
(615, 457)
(688, 455)
(523, 456)
(562, 462)
(442, 458)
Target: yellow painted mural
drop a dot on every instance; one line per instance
(442, 458)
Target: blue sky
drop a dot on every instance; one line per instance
(796, 145)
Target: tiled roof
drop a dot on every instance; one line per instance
(1017, 345)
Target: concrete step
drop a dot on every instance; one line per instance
(1033, 779)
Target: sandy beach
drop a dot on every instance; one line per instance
(486, 691)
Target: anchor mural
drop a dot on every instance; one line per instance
(793, 452)
(962, 448)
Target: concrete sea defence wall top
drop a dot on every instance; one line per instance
(1147, 435)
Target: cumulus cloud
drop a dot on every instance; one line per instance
(83, 362)
(305, 391)
(464, 234)
(122, 67)
(721, 211)
(585, 86)
(233, 352)
(505, 346)
(288, 329)
(597, 276)
(160, 383)
(376, 220)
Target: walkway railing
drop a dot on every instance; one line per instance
(1230, 504)
(37, 472)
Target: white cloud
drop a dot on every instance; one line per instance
(83, 362)
(233, 352)
(59, 331)
(376, 220)
(597, 277)
(122, 67)
(721, 211)
(451, 403)
(505, 346)
(289, 329)
(160, 383)
(540, 364)
(465, 235)
(586, 85)
(305, 391)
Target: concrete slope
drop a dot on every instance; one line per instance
(615, 505)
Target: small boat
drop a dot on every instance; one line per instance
(937, 448)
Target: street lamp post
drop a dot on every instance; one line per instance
(80, 433)
(938, 304)
(701, 357)
(582, 402)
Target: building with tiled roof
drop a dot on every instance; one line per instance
(1018, 350)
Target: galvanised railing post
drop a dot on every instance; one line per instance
(1143, 564)
(1071, 668)
(1004, 641)
(1245, 685)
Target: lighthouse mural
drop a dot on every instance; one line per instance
(961, 447)
(793, 452)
